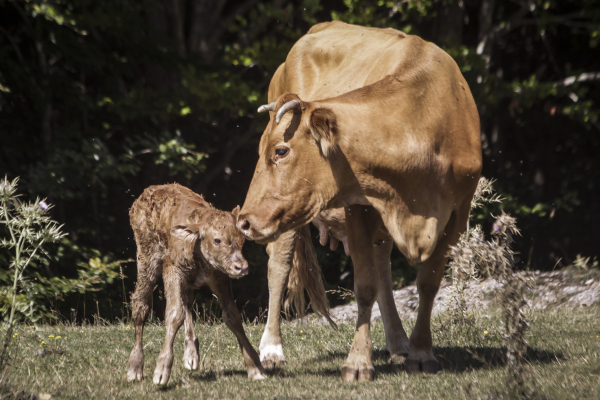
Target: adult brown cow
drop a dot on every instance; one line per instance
(401, 147)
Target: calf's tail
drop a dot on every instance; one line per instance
(306, 274)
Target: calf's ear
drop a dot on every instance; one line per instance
(188, 233)
(323, 128)
(236, 211)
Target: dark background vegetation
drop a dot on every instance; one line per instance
(100, 99)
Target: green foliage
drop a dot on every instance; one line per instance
(29, 228)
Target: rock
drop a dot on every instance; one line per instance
(551, 289)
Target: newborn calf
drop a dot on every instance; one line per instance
(183, 237)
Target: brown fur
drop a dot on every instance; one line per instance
(188, 242)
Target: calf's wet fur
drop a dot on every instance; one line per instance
(184, 239)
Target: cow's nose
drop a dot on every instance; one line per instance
(243, 225)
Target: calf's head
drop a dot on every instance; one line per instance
(293, 179)
(217, 239)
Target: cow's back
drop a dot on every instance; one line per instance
(334, 58)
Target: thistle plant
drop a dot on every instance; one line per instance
(474, 256)
(29, 228)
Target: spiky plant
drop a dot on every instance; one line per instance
(29, 227)
(474, 256)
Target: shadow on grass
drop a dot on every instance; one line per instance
(461, 359)
(452, 359)
(209, 376)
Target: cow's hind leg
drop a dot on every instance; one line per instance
(191, 354)
(176, 294)
(361, 223)
(396, 340)
(220, 284)
(420, 356)
(280, 253)
(149, 270)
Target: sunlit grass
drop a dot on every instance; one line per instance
(89, 362)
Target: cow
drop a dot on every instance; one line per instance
(398, 148)
(182, 237)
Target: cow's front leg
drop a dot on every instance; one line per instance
(361, 223)
(396, 340)
(281, 254)
(220, 284)
(191, 354)
(176, 295)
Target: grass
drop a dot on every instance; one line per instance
(89, 362)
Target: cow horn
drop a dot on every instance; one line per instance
(290, 105)
(267, 107)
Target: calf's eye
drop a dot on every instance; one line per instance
(217, 241)
(281, 152)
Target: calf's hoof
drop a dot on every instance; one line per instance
(361, 373)
(162, 373)
(257, 374)
(135, 373)
(190, 361)
(428, 367)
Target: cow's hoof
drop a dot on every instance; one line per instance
(428, 367)
(431, 367)
(135, 373)
(161, 375)
(272, 357)
(270, 363)
(362, 374)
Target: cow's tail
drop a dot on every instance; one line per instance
(306, 274)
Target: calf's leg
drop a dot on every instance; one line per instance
(176, 293)
(281, 254)
(396, 340)
(191, 354)
(220, 284)
(149, 270)
(361, 224)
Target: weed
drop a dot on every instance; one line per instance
(474, 256)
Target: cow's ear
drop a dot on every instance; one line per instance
(236, 211)
(323, 128)
(188, 233)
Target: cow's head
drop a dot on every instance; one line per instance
(293, 180)
(218, 240)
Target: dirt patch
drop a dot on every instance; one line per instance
(556, 289)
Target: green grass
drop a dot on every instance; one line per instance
(563, 362)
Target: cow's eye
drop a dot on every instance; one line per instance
(217, 241)
(282, 152)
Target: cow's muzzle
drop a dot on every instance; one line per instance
(252, 231)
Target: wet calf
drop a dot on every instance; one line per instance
(185, 239)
